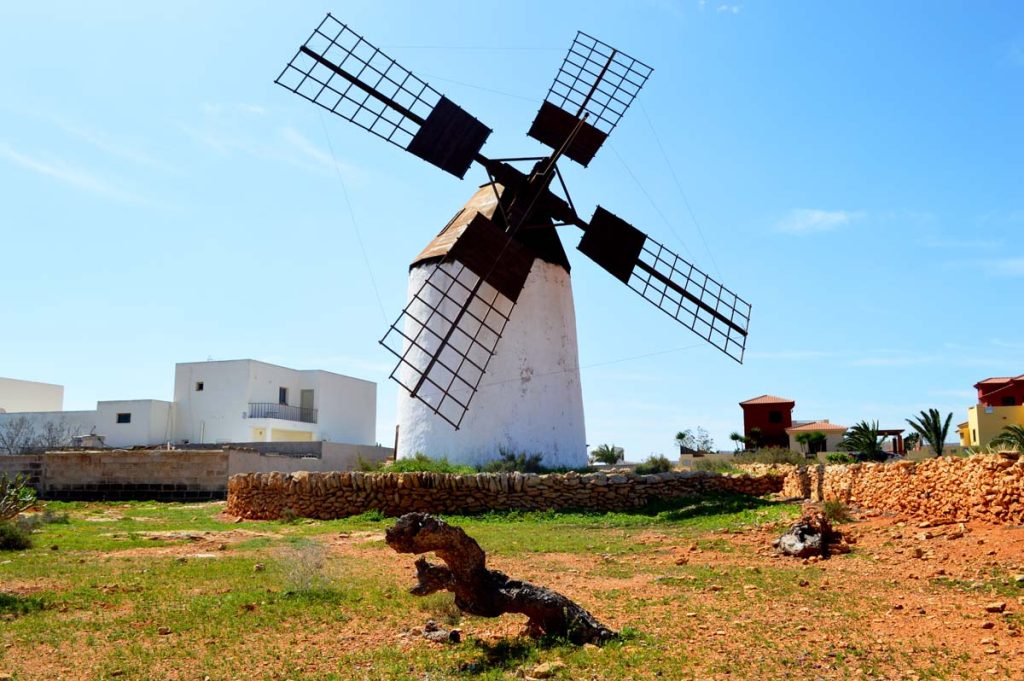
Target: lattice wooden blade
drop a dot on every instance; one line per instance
(340, 71)
(668, 282)
(445, 338)
(594, 79)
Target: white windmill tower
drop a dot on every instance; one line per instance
(490, 315)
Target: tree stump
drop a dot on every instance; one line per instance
(483, 592)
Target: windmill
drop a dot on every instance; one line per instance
(490, 319)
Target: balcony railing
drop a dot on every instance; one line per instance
(270, 410)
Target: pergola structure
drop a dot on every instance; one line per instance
(897, 440)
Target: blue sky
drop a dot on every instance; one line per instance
(854, 170)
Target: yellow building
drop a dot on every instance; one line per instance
(1000, 404)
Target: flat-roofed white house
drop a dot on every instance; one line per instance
(21, 396)
(233, 401)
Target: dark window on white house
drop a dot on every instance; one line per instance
(282, 395)
(199, 386)
(124, 417)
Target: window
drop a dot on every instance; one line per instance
(124, 417)
(199, 386)
(775, 417)
(1009, 401)
(282, 395)
(974, 435)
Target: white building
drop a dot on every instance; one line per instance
(21, 396)
(219, 402)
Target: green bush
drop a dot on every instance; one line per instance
(710, 466)
(13, 537)
(654, 464)
(772, 455)
(510, 462)
(420, 463)
(840, 457)
(15, 496)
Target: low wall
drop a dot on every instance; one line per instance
(159, 474)
(266, 496)
(164, 474)
(988, 488)
(29, 465)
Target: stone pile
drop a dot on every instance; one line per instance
(264, 496)
(989, 487)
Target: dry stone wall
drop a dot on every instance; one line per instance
(264, 496)
(987, 488)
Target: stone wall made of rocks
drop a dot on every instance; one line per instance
(979, 487)
(265, 496)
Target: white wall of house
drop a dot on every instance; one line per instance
(28, 396)
(235, 392)
(148, 422)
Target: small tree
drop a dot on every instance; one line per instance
(609, 454)
(686, 442)
(738, 439)
(56, 434)
(754, 439)
(703, 441)
(1011, 437)
(15, 496)
(930, 426)
(17, 435)
(863, 439)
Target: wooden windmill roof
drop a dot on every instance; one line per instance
(544, 242)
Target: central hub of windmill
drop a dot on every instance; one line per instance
(490, 317)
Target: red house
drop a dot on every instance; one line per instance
(770, 416)
(1001, 392)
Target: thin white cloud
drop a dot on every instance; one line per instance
(954, 392)
(1006, 267)
(311, 151)
(729, 9)
(70, 175)
(109, 145)
(795, 355)
(813, 220)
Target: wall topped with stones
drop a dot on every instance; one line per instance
(987, 488)
(264, 496)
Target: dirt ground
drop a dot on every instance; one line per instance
(939, 599)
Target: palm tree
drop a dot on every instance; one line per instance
(932, 430)
(609, 454)
(738, 439)
(803, 439)
(817, 441)
(864, 441)
(912, 442)
(1011, 437)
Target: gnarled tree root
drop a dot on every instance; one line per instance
(483, 592)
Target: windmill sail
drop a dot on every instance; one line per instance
(340, 71)
(446, 335)
(668, 282)
(594, 79)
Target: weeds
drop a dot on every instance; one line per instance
(836, 511)
(13, 537)
(654, 464)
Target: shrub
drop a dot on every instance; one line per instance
(836, 511)
(771, 455)
(711, 466)
(420, 463)
(654, 464)
(510, 462)
(13, 537)
(839, 457)
(15, 496)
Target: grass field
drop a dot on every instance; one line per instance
(176, 591)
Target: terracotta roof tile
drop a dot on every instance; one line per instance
(823, 426)
(768, 399)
